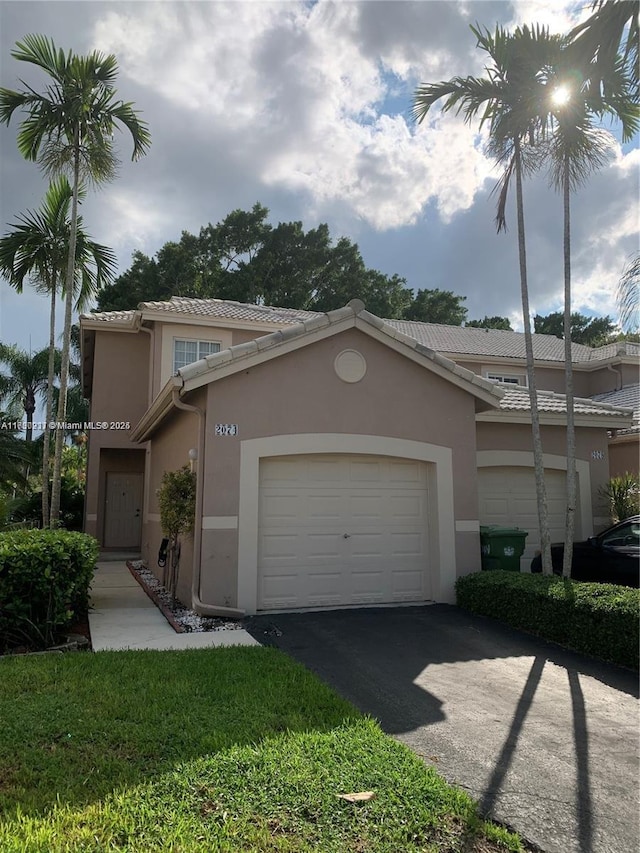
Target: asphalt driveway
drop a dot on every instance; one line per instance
(546, 740)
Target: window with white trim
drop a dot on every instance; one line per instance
(186, 352)
(507, 378)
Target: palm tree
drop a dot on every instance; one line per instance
(595, 44)
(628, 296)
(507, 99)
(27, 379)
(15, 458)
(576, 148)
(37, 248)
(70, 129)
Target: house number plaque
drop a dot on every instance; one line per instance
(226, 429)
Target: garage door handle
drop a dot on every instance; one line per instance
(347, 536)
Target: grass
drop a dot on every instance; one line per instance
(235, 749)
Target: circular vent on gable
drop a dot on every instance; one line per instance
(350, 365)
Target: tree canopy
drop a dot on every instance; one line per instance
(590, 331)
(245, 258)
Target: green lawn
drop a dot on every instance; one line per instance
(209, 750)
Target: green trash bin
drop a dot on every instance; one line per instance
(502, 547)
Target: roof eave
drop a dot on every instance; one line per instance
(157, 411)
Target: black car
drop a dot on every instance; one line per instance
(612, 556)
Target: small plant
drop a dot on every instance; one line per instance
(622, 496)
(177, 499)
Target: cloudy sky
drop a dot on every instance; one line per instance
(306, 108)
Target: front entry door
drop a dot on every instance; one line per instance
(123, 511)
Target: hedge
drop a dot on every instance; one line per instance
(44, 583)
(595, 618)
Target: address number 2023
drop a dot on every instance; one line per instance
(226, 429)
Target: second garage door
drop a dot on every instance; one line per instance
(507, 497)
(339, 530)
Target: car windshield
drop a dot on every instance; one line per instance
(627, 534)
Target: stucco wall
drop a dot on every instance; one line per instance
(169, 451)
(591, 448)
(624, 456)
(120, 393)
(300, 393)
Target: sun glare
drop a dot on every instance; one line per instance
(561, 96)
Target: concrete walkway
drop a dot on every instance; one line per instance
(124, 617)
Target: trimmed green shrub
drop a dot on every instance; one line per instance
(595, 618)
(44, 583)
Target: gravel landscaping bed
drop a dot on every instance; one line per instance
(179, 616)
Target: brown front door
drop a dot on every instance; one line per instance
(123, 511)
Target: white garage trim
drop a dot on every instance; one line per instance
(524, 459)
(253, 450)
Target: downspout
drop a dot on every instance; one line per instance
(199, 606)
(147, 463)
(618, 374)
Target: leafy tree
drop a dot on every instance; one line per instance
(70, 129)
(590, 331)
(506, 100)
(502, 323)
(37, 248)
(244, 258)
(437, 306)
(141, 282)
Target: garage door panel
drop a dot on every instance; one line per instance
(410, 507)
(356, 531)
(507, 497)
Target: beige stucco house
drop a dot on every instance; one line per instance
(342, 460)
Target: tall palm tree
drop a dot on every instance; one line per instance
(507, 100)
(577, 147)
(37, 248)
(69, 128)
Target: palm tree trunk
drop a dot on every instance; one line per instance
(49, 406)
(538, 460)
(568, 367)
(66, 341)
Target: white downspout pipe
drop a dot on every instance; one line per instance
(199, 606)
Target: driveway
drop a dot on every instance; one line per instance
(546, 740)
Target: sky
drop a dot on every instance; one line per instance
(305, 107)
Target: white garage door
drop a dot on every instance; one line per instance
(341, 530)
(507, 497)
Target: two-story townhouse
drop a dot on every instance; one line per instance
(341, 459)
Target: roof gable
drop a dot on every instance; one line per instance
(318, 327)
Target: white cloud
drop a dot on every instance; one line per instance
(297, 90)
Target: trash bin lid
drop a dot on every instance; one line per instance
(495, 531)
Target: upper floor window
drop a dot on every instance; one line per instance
(186, 352)
(508, 378)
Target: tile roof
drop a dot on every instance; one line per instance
(628, 396)
(462, 340)
(516, 399)
(224, 308)
(454, 340)
(109, 316)
(317, 321)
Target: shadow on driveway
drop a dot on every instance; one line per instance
(545, 739)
